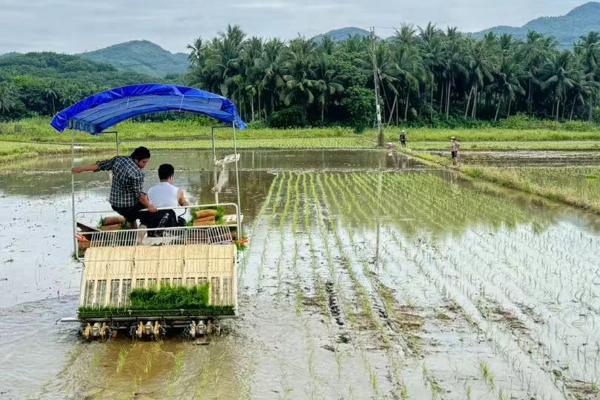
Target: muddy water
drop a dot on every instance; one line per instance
(368, 276)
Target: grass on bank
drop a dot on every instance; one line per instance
(575, 186)
(35, 137)
(39, 129)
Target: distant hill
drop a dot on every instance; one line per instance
(43, 83)
(141, 56)
(565, 29)
(66, 68)
(339, 35)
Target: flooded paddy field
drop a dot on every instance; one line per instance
(368, 276)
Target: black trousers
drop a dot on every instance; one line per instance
(133, 213)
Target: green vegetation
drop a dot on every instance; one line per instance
(171, 300)
(515, 129)
(169, 297)
(34, 137)
(140, 56)
(44, 83)
(576, 186)
(427, 77)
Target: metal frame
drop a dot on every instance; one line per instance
(209, 234)
(74, 213)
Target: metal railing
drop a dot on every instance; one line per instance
(181, 235)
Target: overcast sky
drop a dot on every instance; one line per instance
(73, 26)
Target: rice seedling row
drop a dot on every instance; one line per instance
(367, 294)
(339, 287)
(359, 307)
(428, 376)
(494, 304)
(258, 226)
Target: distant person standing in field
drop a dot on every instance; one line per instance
(454, 150)
(403, 138)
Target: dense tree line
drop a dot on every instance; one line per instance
(426, 75)
(44, 83)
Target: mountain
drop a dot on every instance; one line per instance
(566, 29)
(339, 35)
(140, 56)
(67, 69)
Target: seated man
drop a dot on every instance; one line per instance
(166, 195)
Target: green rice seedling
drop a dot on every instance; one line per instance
(366, 308)
(170, 297)
(121, 360)
(436, 389)
(487, 375)
(166, 298)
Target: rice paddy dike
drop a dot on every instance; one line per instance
(369, 274)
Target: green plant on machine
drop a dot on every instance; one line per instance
(167, 298)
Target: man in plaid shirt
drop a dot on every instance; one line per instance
(127, 195)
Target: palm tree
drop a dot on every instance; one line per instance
(507, 84)
(271, 63)
(407, 64)
(480, 67)
(51, 96)
(298, 67)
(252, 52)
(588, 50)
(386, 74)
(560, 75)
(453, 63)
(223, 61)
(325, 75)
(8, 97)
(196, 56)
(431, 50)
(535, 52)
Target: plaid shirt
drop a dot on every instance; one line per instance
(127, 181)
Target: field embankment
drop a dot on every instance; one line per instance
(577, 186)
(33, 137)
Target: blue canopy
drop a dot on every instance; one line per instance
(104, 110)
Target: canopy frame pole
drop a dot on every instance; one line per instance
(237, 181)
(73, 211)
(118, 144)
(214, 152)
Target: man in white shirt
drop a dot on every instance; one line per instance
(167, 195)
